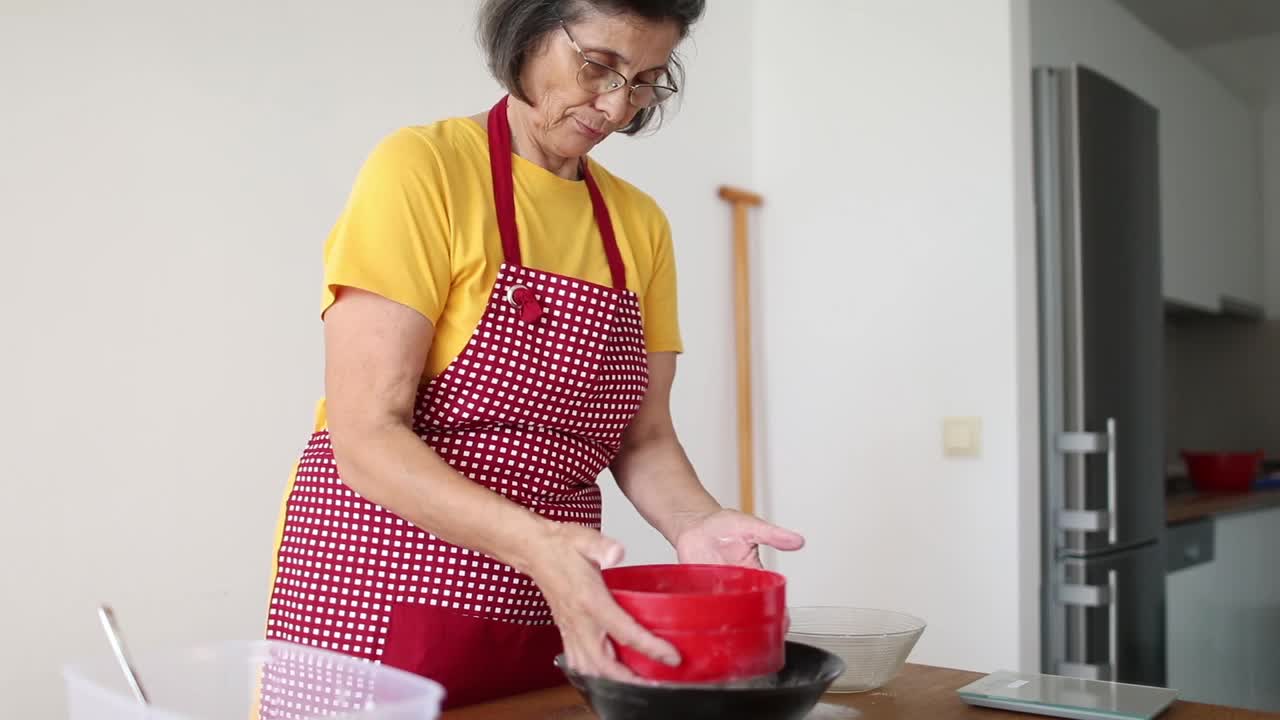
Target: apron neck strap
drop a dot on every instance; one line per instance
(504, 198)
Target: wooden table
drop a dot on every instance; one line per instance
(919, 691)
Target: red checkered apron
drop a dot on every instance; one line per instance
(534, 408)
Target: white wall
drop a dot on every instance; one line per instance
(1208, 144)
(169, 173)
(896, 290)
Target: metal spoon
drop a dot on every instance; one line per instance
(108, 618)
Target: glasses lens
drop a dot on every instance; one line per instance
(597, 78)
(645, 96)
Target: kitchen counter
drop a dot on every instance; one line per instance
(1186, 507)
(919, 691)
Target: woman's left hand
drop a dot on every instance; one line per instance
(728, 537)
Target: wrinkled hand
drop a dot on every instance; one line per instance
(728, 537)
(567, 570)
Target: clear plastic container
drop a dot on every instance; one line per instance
(261, 680)
(874, 644)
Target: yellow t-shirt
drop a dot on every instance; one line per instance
(419, 228)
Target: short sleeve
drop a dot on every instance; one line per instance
(661, 305)
(393, 236)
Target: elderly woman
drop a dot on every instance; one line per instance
(500, 327)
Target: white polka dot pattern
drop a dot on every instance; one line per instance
(531, 410)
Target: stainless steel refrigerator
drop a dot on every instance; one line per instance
(1101, 327)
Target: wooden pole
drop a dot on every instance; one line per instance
(742, 201)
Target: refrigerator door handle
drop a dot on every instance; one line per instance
(1084, 520)
(1092, 596)
(1112, 493)
(1085, 671)
(1083, 443)
(1086, 595)
(1113, 631)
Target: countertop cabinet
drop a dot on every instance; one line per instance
(1224, 610)
(1211, 200)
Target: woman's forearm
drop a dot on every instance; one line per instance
(390, 465)
(656, 476)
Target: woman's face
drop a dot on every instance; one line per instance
(568, 120)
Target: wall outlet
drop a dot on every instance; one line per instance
(962, 436)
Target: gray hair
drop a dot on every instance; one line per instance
(511, 30)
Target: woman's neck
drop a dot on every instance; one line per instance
(524, 143)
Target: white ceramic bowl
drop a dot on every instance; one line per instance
(874, 644)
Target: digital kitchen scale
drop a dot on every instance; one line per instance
(1067, 697)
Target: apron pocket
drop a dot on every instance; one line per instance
(475, 659)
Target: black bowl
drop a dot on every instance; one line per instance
(806, 675)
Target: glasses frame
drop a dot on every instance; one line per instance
(622, 79)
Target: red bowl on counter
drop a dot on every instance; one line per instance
(728, 623)
(1223, 471)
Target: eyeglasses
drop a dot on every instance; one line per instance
(600, 79)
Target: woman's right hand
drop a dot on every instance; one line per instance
(566, 566)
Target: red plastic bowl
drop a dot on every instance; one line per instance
(728, 623)
(1223, 472)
